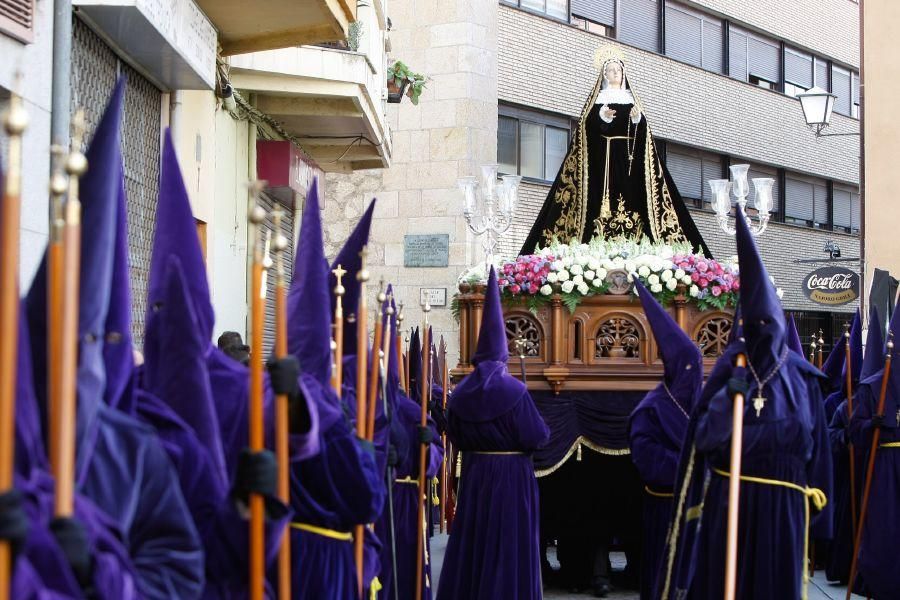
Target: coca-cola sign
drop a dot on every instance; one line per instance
(832, 286)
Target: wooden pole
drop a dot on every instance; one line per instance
(848, 365)
(282, 416)
(734, 487)
(362, 353)
(14, 122)
(870, 468)
(66, 402)
(375, 367)
(337, 371)
(423, 455)
(444, 482)
(257, 442)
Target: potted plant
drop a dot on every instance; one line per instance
(399, 77)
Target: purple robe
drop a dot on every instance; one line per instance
(494, 547)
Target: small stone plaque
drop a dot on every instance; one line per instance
(431, 250)
(434, 296)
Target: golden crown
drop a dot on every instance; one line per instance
(607, 53)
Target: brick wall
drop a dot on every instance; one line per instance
(549, 65)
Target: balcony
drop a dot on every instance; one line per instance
(329, 98)
(271, 24)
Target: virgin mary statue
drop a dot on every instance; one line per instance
(613, 182)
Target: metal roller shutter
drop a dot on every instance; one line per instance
(599, 11)
(712, 44)
(763, 58)
(820, 204)
(687, 173)
(798, 199)
(711, 169)
(798, 68)
(95, 68)
(287, 230)
(737, 54)
(684, 35)
(840, 86)
(638, 23)
(841, 207)
(855, 90)
(821, 73)
(854, 211)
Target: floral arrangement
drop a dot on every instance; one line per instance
(576, 271)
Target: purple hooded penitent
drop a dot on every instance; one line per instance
(121, 466)
(657, 427)
(785, 441)
(493, 551)
(350, 260)
(793, 336)
(338, 488)
(879, 563)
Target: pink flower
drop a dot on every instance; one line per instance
(703, 283)
(736, 285)
(702, 266)
(695, 276)
(716, 291)
(533, 288)
(515, 289)
(519, 278)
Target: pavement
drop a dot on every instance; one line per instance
(819, 588)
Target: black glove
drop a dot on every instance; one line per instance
(738, 385)
(426, 435)
(393, 457)
(257, 473)
(284, 374)
(72, 540)
(13, 521)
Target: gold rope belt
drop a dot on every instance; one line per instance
(811, 494)
(889, 445)
(656, 494)
(342, 536)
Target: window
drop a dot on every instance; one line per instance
(591, 26)
(798, 71)
(691, 171)
(806, 201)
(821, 71)
(854, 108)
(693, 37)
(638, 23)
(531, 144)
(595, 13)
(840, 87)
(17, 19)
(753, 58)
(552, 8)
(846, 208)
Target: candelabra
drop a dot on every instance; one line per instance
(721, 200)
(490, 212)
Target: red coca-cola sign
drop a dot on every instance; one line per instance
(832, 286)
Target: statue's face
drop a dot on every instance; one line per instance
(613, 74)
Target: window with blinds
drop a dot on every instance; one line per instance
(530, 143)
(638, 23)
(693, 37)
(821, 72)
(806, 201)
(17, 19)
(764, 171)
(846, 208)
(598, 11)
(691, 171)
(840, 87)
(854, 107)
(798, 71)
(552, 8)
(753, 58)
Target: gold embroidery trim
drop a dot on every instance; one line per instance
(576, 446)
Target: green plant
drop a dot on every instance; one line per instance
(400, 72)
(354, 33)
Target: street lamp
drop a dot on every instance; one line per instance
(817, 105)
(721, 201)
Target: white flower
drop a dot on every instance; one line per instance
(552, 277)
(546, 290)
(629, 266)
(593, 264)
(686, 280)
(653, 279)
(656, 288)
(680, 274)
(576, 270)
(780, 293)
(567, 261)
(584, 258)
(644, 271)
(600, 275)
(583, 289)
(695, 291)
(666, 275)
(618, 262)
(562, 275)
(557, 265)
(589, 275)
(671, 284)
(567, 287)
(578, 280)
